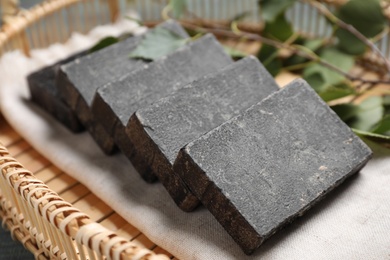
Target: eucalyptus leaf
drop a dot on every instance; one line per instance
(103, 43)
(315, 78)
(369, 113)
(294, 60)
(322, 77)
(311, 44)
(268, 55)
(346, 112)
(371, 102)
(380, 138)
(279, 28)
(342, 61)
(270, 9)
(349, 44)
(366, 16)
(336, 92)
(233, 52)
(383, 126)
(178, 7)
(386, 100)
(157, 43)
(363, 116)
(386, 103)
(274, 67)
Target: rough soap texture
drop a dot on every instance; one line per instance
(260, 170)
(44, 93)
(159, 131)
(79, 80)
(117, 101)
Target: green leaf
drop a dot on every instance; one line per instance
(373, 136)
(279, 28)
(386, 104)
(349, 44)
(322, 77)
(234, 52)
(386, 100)
(268, 55)
(363, 116)
(370, 112)
(336, 92)
(366, 16)
(274, 67)
(342, 61)
(103, 43)
(311, 44)
(270, 9)
(315, 78)
(294, 60)
(157, 43)
(383, 126)
(178, 7)
(345, 111)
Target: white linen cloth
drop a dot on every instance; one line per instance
(353, 222)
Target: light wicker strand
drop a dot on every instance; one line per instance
(52, 227)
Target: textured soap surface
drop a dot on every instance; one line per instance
(117, 101)
(159, 131)
(260, 170)
(44, 93)
(79, 80)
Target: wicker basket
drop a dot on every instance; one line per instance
(44, 223)
(52, 228)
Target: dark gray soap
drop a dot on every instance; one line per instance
(79, 80)
(261, 169)
(44, 93)
(159, 131)
(117, 101)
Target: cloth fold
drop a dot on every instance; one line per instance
(351, 223)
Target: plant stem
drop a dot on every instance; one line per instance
(334, 19)
(299, 51)
(298, 66)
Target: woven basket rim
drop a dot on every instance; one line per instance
(61, 215)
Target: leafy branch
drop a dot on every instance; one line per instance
(295, 49)
(334, 19)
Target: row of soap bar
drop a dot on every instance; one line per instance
(211, 130)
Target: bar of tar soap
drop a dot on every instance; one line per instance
(261, 169)
(79, 80)
(159, 131)
(117, 101)
(44, 93)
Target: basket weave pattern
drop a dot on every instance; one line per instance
(52, 21)
(49, 226)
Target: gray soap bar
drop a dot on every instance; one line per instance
(261, 169)
(117, 101)
(159, 131)
(79, 80)
(44, 93)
